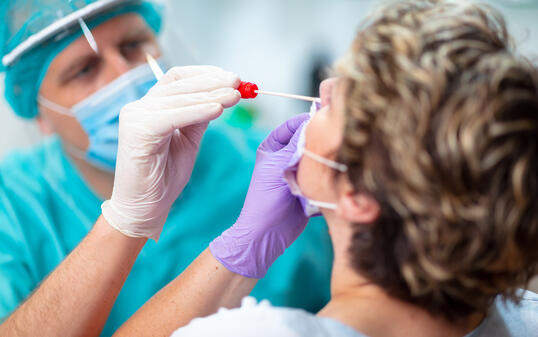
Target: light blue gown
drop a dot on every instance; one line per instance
(46, 209)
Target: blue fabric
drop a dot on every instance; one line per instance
(24, 77)
(252, 319)
(46, 209)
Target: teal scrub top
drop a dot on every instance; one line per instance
(46, 209)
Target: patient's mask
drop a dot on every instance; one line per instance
(98, 114)
(310, 207)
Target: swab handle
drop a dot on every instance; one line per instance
(250, 90)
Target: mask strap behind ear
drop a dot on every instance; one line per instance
(330, 163)
(54, 107)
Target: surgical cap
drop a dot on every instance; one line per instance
(23, 18)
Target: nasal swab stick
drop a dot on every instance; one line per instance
(250, 90)
(300, 97)
(157, 71)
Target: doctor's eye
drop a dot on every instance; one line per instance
(132, 49)
(85, 70)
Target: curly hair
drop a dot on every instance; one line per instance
(442, 130)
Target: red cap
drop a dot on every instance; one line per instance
(247, 90)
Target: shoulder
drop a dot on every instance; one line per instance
(507, 318)
(522, 317)
(262, 319)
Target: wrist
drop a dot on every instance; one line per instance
(248, 256)
(121, 219)
(104, 229)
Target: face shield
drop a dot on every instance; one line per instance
(34, 32)
(31, 23)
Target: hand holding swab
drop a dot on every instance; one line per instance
(247, 89)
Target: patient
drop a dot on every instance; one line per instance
(424, 156)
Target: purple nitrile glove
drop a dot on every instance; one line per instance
(271, 218)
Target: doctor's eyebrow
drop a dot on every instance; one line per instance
(138, 32)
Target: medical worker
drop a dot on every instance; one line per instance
(71, 66)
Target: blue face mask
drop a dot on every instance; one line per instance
(98, 114)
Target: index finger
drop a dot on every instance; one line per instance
(281, 136)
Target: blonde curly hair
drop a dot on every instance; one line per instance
(442, 129)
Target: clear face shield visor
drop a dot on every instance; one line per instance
(33, 25)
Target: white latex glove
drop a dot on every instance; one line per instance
(155, 159)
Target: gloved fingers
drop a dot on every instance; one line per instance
(192, 133)
(199, 83)
(167, 121)
(179, 73)
(225, 96)
(292, 144)
(281, 136)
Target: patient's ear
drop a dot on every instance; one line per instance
(357, 207)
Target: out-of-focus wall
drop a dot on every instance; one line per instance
(273, 43)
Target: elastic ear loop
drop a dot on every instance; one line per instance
(54, 107)
(64, 111)
(332, 164)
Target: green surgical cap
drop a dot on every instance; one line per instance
(25, 75)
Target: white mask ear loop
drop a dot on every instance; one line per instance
(80, 154)
(330, 163)
(54, 107)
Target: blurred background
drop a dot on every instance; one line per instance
(282, 45)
